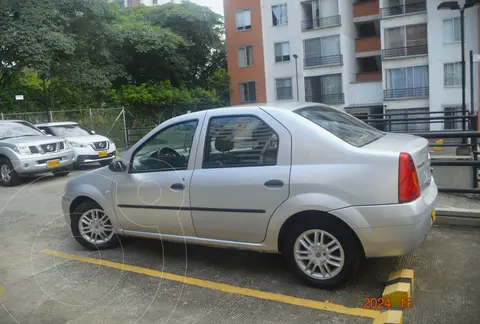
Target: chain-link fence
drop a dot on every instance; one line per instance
(109, 122)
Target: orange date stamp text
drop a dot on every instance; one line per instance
(385, 303)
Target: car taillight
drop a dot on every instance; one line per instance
(408, 187)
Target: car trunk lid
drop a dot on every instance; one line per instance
(416, 146)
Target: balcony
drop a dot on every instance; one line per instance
(321, 22)
(315, 61)
(329, 99)
(367, 8)
(405, 51)
(367, 44)
(369, 76)
(409, 8)
(408, 93)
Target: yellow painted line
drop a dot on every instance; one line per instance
(2, 291)
(321, 305)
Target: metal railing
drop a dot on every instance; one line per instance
(390, 94)
(321, 22)
(403, 9)
(314, 61)
(328, 98)
(405, 51)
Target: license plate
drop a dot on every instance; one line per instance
(434, 215)
(102, 154)
(53, 164)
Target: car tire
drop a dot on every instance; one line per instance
(12, 178)
(105, 163)
(79, 218)
(61, 173)
(318, 258)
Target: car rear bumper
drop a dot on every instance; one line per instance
(38, 163)
(394, 229)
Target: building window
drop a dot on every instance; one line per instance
(407, 82)
(279, 14)
(247, 92)
(452, 74)
(327, 89)
(155, 2)
(243, 20)
(121, 3)
(322, 51)
(406, 40)
(452, 30)
(248, 140)
(403, 126)
(282, 52)
(129, 3)
(284, 88)
(245, 56)
(452, 111)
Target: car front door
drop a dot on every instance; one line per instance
(153, 196)
(241, 175)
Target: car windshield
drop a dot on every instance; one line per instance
(69, 130)
(344, 126)
(17, 129)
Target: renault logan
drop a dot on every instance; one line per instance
(308, 181)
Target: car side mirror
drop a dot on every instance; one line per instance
(43, 131)
(93, 132)
(117, 166)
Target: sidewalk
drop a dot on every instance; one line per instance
(458, 210)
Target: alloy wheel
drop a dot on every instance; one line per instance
(95, 226)
(319, 254)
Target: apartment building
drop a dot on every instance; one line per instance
(396, 57)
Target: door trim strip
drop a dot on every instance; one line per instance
(220, 210)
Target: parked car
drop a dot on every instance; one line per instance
(88, 147)
(25, 150)
(306, 180)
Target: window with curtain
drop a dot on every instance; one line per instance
(328, 8)
(452, 111)
(279, 14)
(406, 36)
(129, 3)
(406, 78)
(452, 30)
(245, 56)
(319, 51)
(452, 74)
(282, 52)
(243, 19)
(402, 126)
(331, 84)
(248, 92)
(284, 88)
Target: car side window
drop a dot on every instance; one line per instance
(239, 141)
(46, 130)
(167, 150)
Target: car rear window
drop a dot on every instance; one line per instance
(346, 127)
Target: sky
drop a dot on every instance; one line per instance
(215, 5)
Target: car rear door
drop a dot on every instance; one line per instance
(241, 175)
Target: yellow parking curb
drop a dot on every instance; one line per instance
(390, 317)
(2, 291)
(399, 288)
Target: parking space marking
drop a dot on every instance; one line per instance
(320, 305)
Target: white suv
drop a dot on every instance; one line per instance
(88, 147)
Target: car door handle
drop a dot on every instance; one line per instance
(274, 184)
(177, 186)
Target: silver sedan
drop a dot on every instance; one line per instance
(307, 180)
